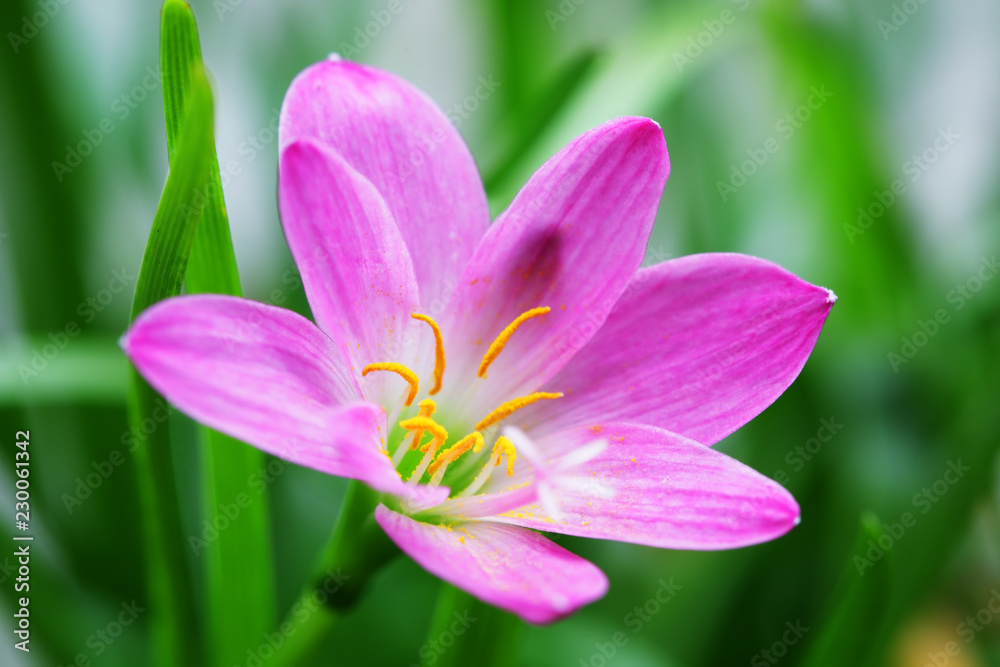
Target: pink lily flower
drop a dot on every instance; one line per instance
(445, 347)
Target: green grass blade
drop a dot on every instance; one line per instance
(172, 611)
(859, 612)
(239, 563)
(170, 240)
(212, 267)
(240, 566)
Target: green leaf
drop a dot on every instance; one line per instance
(212, 268)
(859, 610)
(172, 612)
(176, 221)
(239, 562)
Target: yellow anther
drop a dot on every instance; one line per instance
(438, 351)
(425, 424)
(427, 408)
(505, 446)
(496, 347)
(471, 441)
(440, 437)
(399, 369)
(508, 408)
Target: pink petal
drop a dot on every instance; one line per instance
(355, 267)
(571, 240)
(509, 567)
(654, 487)
(698, 345)
(398, 139)
(266, 376)
(489, 503)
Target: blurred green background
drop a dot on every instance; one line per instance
(854, 142)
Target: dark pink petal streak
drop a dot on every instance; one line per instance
(571, 240)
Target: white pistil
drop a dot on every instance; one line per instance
(551, 476)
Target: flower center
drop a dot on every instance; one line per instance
(436, 458)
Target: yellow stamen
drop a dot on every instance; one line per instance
(496, 347)
(502, 446)
(505, 446)
(512, 406)
(427, 408)
(438, 351)
(399, 369)
(440, 437)
(425, 424)
(474, 439)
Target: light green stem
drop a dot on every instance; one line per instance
(357, 550)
